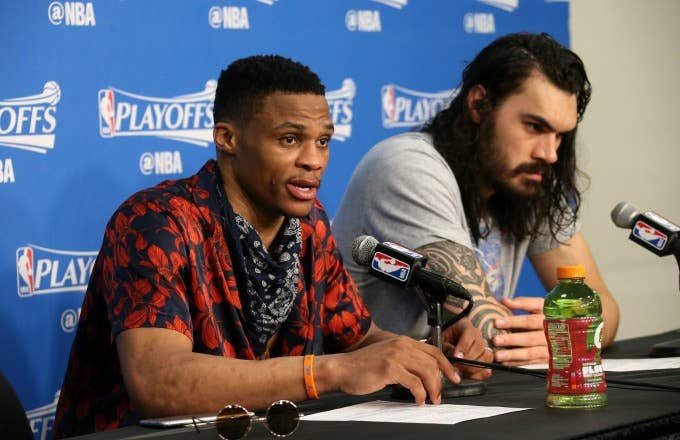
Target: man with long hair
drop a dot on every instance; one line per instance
(490, 179)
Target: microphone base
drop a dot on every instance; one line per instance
(666, 349)
(466, 387)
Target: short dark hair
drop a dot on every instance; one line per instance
(246, 81)
(501, 68)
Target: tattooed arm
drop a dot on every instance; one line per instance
(459, 263)
(526, 344)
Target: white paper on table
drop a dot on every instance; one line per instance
(628, 364)
(403, 412)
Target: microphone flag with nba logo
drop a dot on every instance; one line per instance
(388, 261)
(405, 267)
(648, 229)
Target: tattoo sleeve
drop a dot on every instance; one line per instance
(460, 264)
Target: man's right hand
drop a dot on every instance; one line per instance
(389, 359)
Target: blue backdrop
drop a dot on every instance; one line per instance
(100, 99)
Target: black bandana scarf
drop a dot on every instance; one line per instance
(269, 279)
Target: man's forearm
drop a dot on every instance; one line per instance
(460, 264)
(375, 334)
(610, 314)
(484, 313)
(164, 377)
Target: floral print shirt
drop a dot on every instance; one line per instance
(165, 263)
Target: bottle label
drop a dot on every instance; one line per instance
(575, 362)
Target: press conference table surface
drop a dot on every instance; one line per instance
(629, 413)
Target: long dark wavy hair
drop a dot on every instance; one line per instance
(501, 68)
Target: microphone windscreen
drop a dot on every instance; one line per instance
(363, 248)
(623, 215)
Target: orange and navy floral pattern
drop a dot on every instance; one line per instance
(165, 263)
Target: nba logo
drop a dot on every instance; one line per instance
(389, 115)
(649, 235)
(107, 119)
(25, 275)
(390, 266)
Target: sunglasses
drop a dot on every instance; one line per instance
(234, 421)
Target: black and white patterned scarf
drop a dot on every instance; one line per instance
(270, 279)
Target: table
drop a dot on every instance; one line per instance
(629, 413)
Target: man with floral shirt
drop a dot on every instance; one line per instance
(217, 288)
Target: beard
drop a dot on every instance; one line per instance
(516, 187)
(504, 182)
(515, 199)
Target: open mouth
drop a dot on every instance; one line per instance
(302, 189)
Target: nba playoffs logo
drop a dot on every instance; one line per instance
(184, 118)
(41, 419)
(390, 266)
(28, 123)
(649, 235)
(41, 270)
(402, 107)
(340, 102)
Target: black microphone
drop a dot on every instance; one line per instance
(658, 235)
(404, 267)
(648, 229)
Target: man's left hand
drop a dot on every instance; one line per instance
(464, 340)
(525, 343)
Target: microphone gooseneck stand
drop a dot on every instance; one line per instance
(669, 348)
(625, 215)
(435, 319)
(435, 314)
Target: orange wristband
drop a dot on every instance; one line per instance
(308, 372)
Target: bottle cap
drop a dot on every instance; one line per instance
(571, 272)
